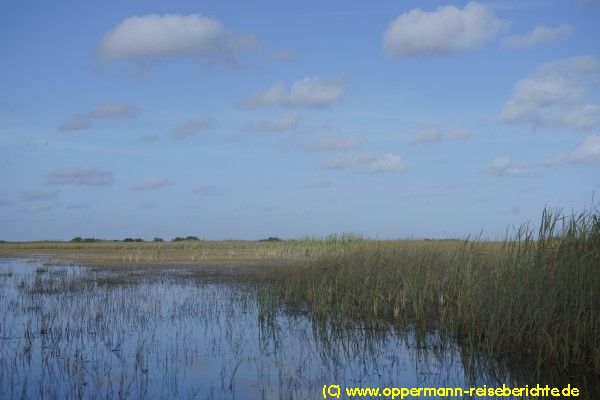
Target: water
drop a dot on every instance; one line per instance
(73, 332)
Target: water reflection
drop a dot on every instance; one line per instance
(72, 332)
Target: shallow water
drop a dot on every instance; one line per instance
(73, 332)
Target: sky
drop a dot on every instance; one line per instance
(222, 119)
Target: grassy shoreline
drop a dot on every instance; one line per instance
(535, 294)
(167, 254)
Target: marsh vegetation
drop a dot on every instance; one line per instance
(278, 319)
(536, 293)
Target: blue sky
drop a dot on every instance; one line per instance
(252, 119)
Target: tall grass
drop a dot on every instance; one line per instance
(535, 293)
(225, 252)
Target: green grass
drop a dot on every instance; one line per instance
(537, 293)
(227, 252)
(533, 294)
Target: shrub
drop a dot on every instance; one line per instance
(271, 239)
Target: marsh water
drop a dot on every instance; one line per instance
(73, 332)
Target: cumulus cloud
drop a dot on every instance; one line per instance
(587, 151)
(308, 92)
(427, 134)
(555, 95)
(386, 163)
(194, 126)
(286, 122)
(80, 176)
(349, 160)
(84, 120)
(369, 163)
(76, 123)
(157, 36)
(35, 195)
(151, 183)
(448, 29)
(433, 134)
(541, 34)
(504, 166)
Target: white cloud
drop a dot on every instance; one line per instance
(555, 95)
(349, 160)
(504, 166)
(286, 122)
(587, 151)
(446, 30)
(386, 163)
(156, 36)
(194, 126)
(151, 183)
(433, 134)
(541, 34)
(35, 195)
(308, 92)
(76, 123)
(427, 134)
(80, 176)
(84, 121)
(369, 163)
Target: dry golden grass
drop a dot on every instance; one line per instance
(192, 252)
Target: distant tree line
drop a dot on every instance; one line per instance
(180, 239)
(80, 239)
(271, 239)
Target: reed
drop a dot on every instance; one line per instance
(536, 293)
(161, 254)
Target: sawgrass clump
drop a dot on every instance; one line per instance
(537, 293)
